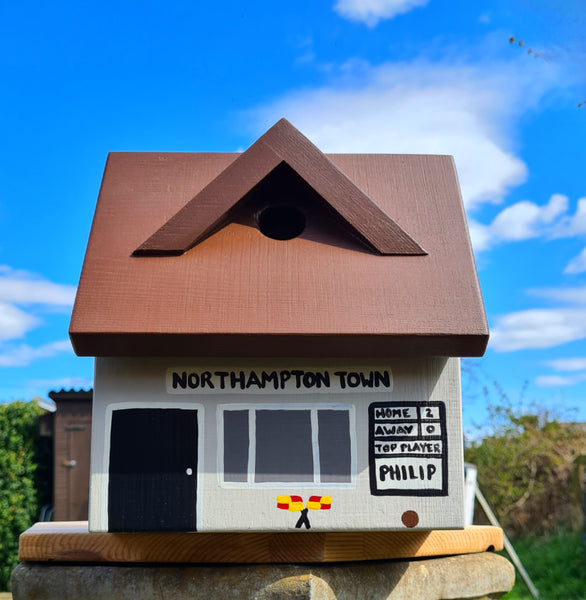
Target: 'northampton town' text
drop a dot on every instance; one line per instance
(279, 379)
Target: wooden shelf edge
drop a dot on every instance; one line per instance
(71, 542)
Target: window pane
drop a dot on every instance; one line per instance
(236, 445)
(283, 446)
(334, 446)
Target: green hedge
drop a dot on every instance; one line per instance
(527, 470)
(19, 503)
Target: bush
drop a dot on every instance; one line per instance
(527, 470)
(18, 462)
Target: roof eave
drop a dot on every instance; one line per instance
(223, 345)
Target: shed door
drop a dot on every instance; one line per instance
(153, 470)
(77, 465)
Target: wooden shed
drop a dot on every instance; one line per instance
(278, 331)
(72, 422)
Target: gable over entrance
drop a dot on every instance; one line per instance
(281, 147)
(188, 257)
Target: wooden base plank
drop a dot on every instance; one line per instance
(71, 542)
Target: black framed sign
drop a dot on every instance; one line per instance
(408, 449)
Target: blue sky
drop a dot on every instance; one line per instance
(498, 84)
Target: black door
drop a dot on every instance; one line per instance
(153, 470)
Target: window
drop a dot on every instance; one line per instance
(268, 445)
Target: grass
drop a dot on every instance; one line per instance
(556, 565)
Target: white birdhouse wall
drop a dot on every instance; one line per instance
(276, 445)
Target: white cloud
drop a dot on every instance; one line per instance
(575, 366)
(568, 364)
(373, 11)
(544, 327)
(23, 355)
(568, 295)
(538, 328)
(516, 222)
(424, 108)
(15, 323)
(480, 235)
(524, 220)
(559, 380)
(22, 287)
(574, 369)
(572, 225)
(557, 205)
(577, 264)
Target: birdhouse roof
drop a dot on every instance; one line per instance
(279, 251)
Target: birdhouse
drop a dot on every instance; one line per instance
(277, 337)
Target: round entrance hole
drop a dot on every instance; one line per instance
(281, 222)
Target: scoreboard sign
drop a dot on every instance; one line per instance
(408, 449)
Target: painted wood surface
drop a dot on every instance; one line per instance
(279, 445)
(153, 475)
(71, 542)
(239, 292)
(208, 211)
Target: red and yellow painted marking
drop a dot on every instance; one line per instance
(293, 503)
(319, 502)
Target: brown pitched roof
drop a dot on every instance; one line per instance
(383, 266)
